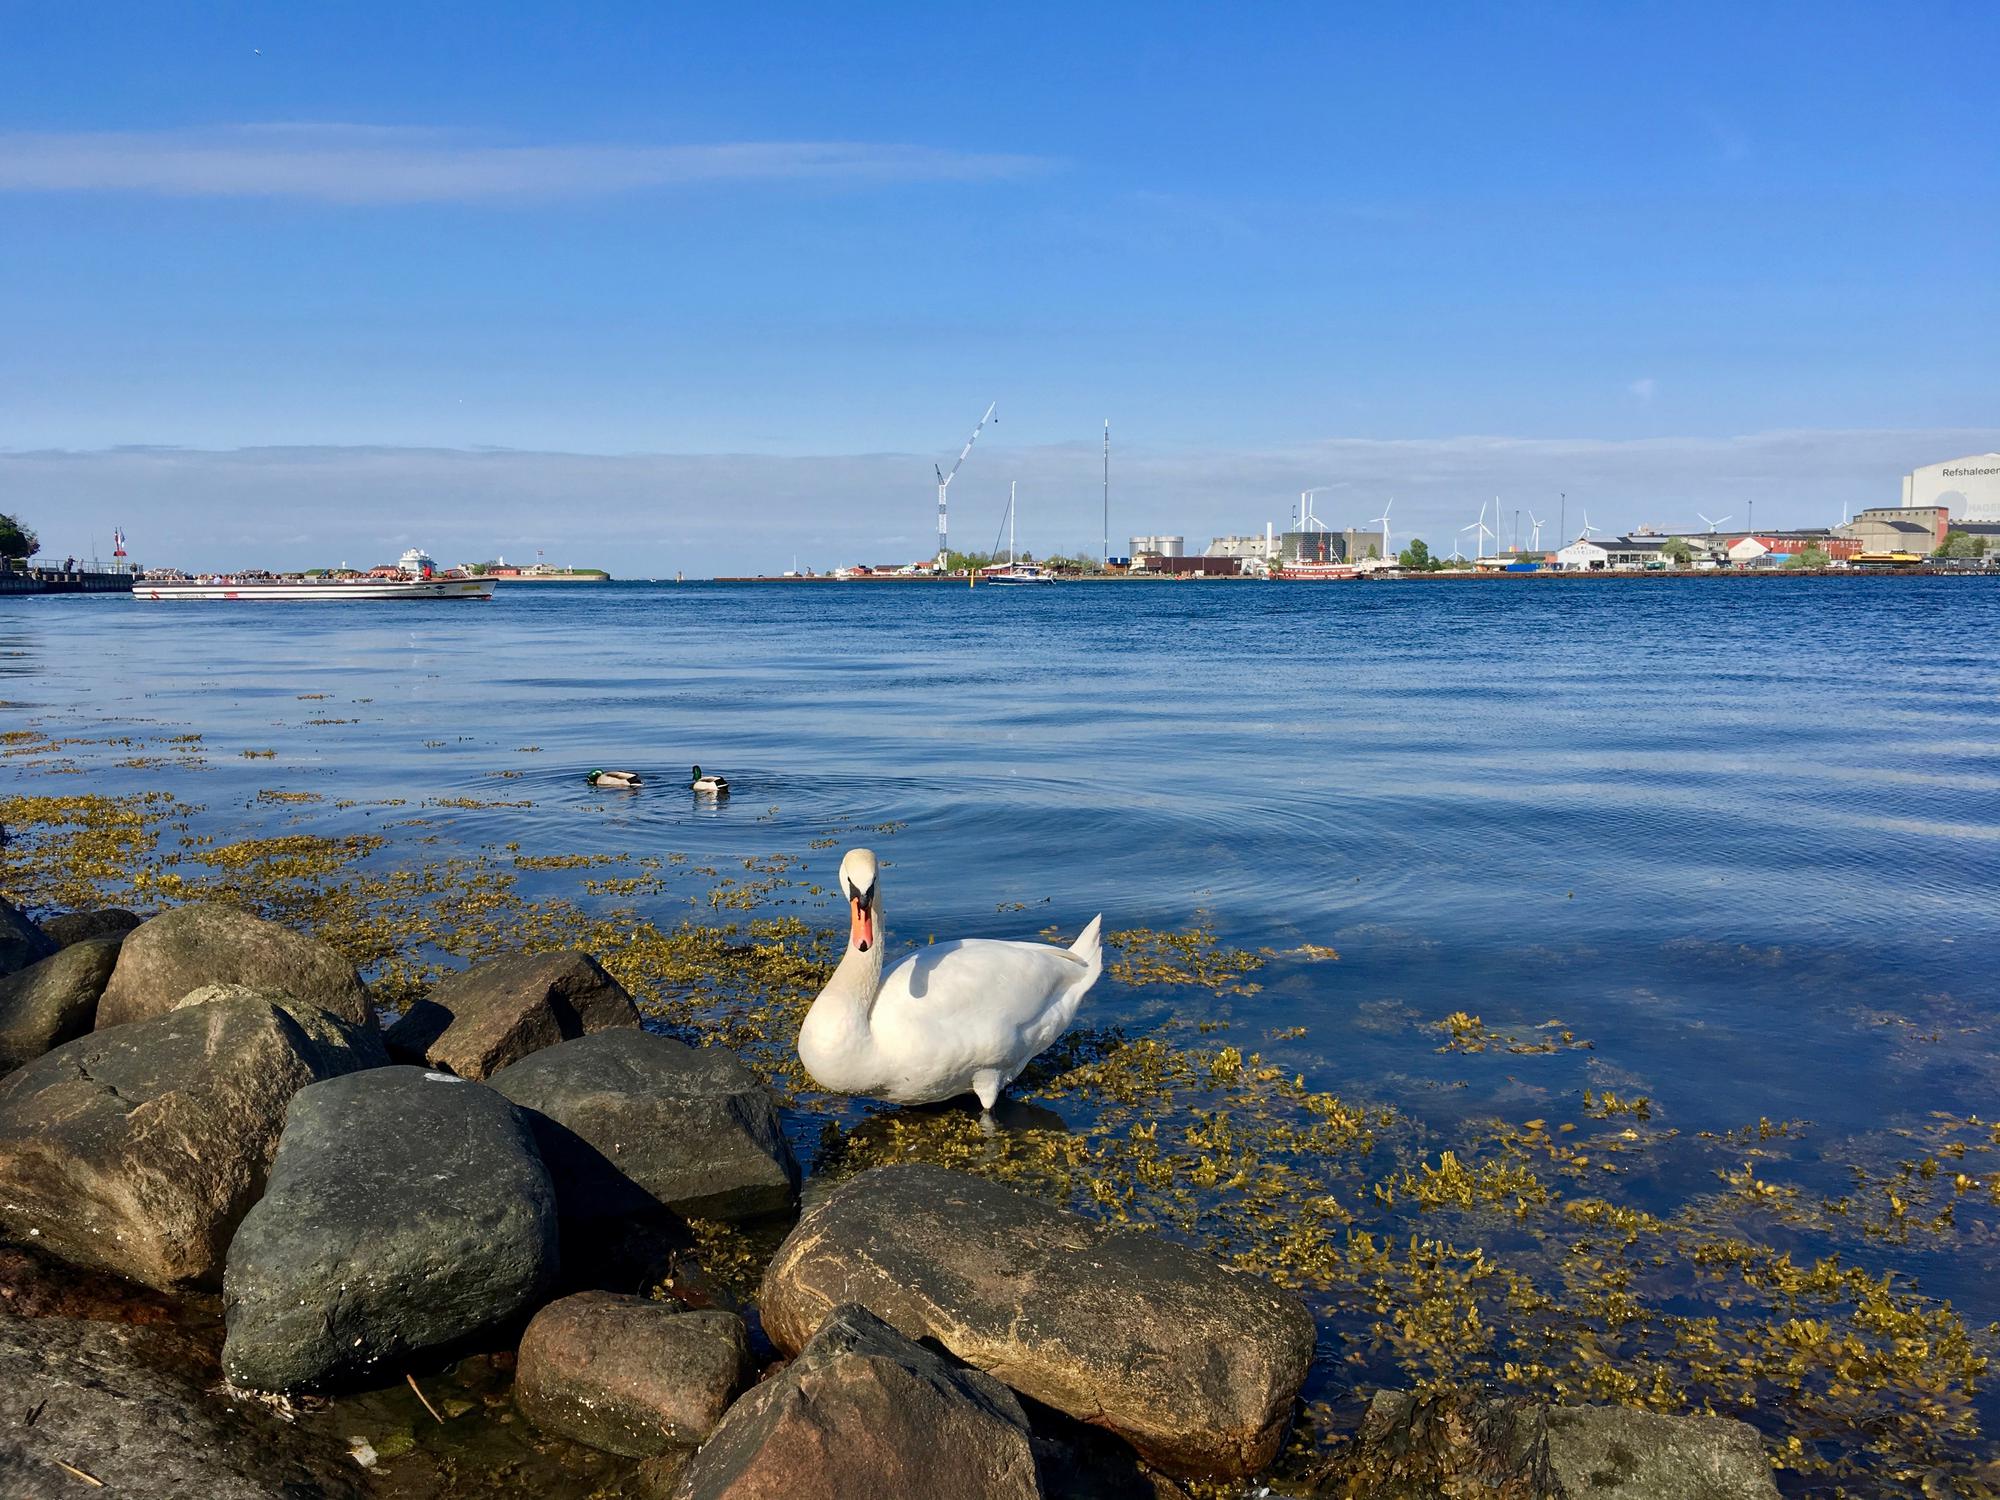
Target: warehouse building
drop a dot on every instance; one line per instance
(1967, 487)
(1893, 528)
(1595, 554)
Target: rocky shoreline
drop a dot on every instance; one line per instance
(502, 1183)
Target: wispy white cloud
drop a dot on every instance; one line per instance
(393, 164)
(719, 512)
(1644, 387)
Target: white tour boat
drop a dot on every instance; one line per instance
(415, 576)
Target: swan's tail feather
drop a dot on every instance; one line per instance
(1089, 950)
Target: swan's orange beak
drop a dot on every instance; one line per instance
(861, 931)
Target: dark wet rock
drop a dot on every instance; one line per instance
(133, 1408)
(865, 1411)
(1195, 1364)
(1412, 1448)
(631, 1123)
(184, 949)
(496, 1013)
(628, 1374)
(407, 1210)
(1517, 1449)
(358, 1046)
(82, 926)
(53, 1001)
(138, 1150)
(22, 942)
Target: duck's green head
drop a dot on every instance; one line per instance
(697, 773)
(592, 777)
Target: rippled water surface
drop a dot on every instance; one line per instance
(1743, 837)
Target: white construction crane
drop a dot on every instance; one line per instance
(944, 484)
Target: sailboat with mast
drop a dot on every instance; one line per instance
(1014, 572)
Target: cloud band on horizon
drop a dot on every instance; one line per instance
(368, 164)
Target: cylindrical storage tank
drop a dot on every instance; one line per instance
(1172, 546)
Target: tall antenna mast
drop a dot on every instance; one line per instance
(944, 484)
(1107, 494)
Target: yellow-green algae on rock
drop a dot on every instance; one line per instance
(1534, 1255)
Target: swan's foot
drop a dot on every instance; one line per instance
(987, 1084)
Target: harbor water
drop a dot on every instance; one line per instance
(1727, 847)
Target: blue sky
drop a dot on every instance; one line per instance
(777, 260)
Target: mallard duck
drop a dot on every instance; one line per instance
(715, 786)
(615, 778)
(951, 1018)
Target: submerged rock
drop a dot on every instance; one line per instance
(190, 946)
(53, 1001)
(630, 1375)
(407, 1210)
(1195, 1364)
(631, 1123)
(22, 942)
(139, 1150)
(131, 1407)
(496, 1013)
(82, 926)
(865, 1411)
(1616, 1453)
(1455, 1442)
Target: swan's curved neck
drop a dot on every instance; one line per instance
(835, 1043)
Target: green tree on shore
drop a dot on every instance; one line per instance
(1812, 557)
(1961, 544)
(1416, 557)
(1679, 549)
(17, 540)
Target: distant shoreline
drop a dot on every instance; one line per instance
(1489, 576)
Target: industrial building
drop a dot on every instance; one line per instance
(1967, 487)
(1326, 545)
(1594, 554)
(1158, 546)
(1904, 528)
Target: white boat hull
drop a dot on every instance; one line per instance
(318, 593)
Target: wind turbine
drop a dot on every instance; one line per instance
(1479, 546)
(1307, 520)
(1588, 529)
(944, 483)
(1712, 522)
(1388, 552)
(1535, 524)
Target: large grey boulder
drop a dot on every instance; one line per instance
(1195, 1364)
(630, 1122)
(138, 1150)
(81, 926)
(865, 1411)
(190, 946)
(628, 1374)
(407, 1210)
(132, 1408)
(360, 1046)
(479, 1021)
(53, 1001)
(22, 942)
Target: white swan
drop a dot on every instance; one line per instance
(951, 1018)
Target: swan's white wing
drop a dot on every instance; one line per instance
(954, 1009)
